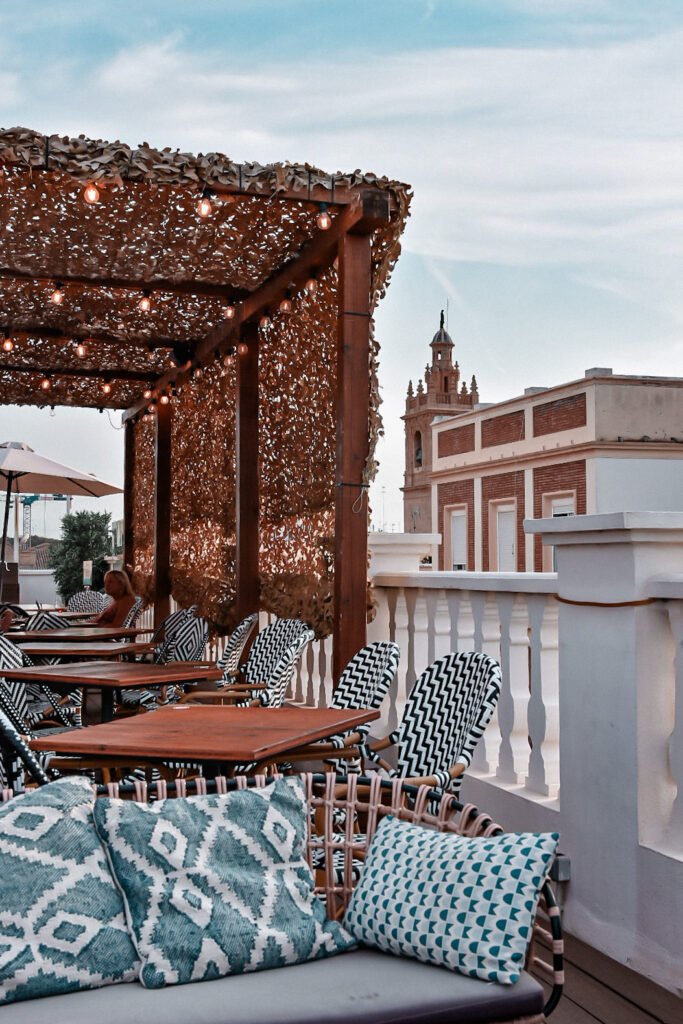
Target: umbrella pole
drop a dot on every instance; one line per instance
(3, 561)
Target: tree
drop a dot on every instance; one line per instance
(85, 536)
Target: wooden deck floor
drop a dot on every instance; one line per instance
(598, 989)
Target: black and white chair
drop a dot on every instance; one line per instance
(90, 601)
(44, 620)
(230, 658)
(445, 716)
(134, 614)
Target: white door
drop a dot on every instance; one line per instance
(506, 530)
(459, 539)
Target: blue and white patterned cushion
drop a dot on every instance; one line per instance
(217, 885)
(466, 904)
(62, 925)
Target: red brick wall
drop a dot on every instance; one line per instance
(496, 488)
(564, 414)
(565, 476)
(456, 441)
(461, 492)
(503, 429)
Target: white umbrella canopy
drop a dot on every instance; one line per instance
(24, 472)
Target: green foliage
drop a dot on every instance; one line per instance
(85, 535)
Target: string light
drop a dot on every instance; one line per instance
(147, 393)
(286, 304)
(265, 322)
(197, 372)
(57, 296)
(311, 286)
(205, 206)
(81, 350)
(242, 349)
(7, 344)
(145, 303)
(164, 399)
(323, 220)
(45, 384)
(229, 357)
(91, 194)
(229, 312)
(106, 387)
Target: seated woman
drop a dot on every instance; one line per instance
(118, 587)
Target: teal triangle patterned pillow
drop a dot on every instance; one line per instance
(466, 904)
(218, 885)
(62, 926)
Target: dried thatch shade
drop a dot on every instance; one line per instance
(145, 233)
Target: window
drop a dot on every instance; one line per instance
(503, 535)
(445, 383)
(418, 448)
(458, 538)
(556, 506)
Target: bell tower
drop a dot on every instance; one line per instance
(440, 394)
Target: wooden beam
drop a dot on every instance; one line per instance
(162, 514)
(207, 289)
(143, 376)
(370, 211)
(247, 473)
(37, 330)
(353, 406)
(128, 503)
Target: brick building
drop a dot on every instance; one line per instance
(603, 443)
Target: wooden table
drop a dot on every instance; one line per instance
(108, 676)
(216, 736)
(73, 634)
(93, 649)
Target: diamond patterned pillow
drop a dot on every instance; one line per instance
(217, 885)
(466, 904)
(62, 926)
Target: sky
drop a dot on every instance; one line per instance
(543, 140)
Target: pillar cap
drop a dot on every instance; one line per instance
(608, 527)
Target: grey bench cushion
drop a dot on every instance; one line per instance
(363, 987)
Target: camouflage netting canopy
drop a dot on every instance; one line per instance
(92, 233)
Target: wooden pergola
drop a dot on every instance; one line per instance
(228, 309)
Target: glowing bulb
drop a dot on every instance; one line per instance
(7, 345)
(57, 296)
(323, 220)
(229, 358)
(164, 399)
(81, 350)
(145, 303)
(311, 286)
(46, 384)
(91, 194)
(265, 322)
(205, 207)
(147, 393)
(197, 373)
(229, 312)
(106, 387)
(242, 349)
(286, 305)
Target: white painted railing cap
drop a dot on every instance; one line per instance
(610, 525)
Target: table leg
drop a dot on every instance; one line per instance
(107, 704)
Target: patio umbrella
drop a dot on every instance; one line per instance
(25, 472)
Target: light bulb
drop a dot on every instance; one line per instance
(57, 296)
(311, 286)
(205, 207)
(197, 373)
(151, 409)
(106, 387)
(242, 349)
(46, 384)
(147, 394)
(145, 303)
(81, 350)
(91, 194)
(7, 345)
(164, 399)
(323, 220)
(265, 322)
(228, 312)
(286, 305)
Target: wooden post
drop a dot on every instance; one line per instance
(162, 514)
(353, 401)
(128, 507)
(247, 483)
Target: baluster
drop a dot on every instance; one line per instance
(550, 683)
(478, 604)
(324, 662)
(421, 633)
(490, 645)
(399, 691)
(506, 705)
(675, 744)
(453, 598)
(442, 626)
(431, 598)
(410, 599)
(310, 669)
(536, 717)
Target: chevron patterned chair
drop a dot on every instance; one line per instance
(230, 658)
(134, 614)
(44, 620)
(364, 683)
(87, 601)
(445, 716)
